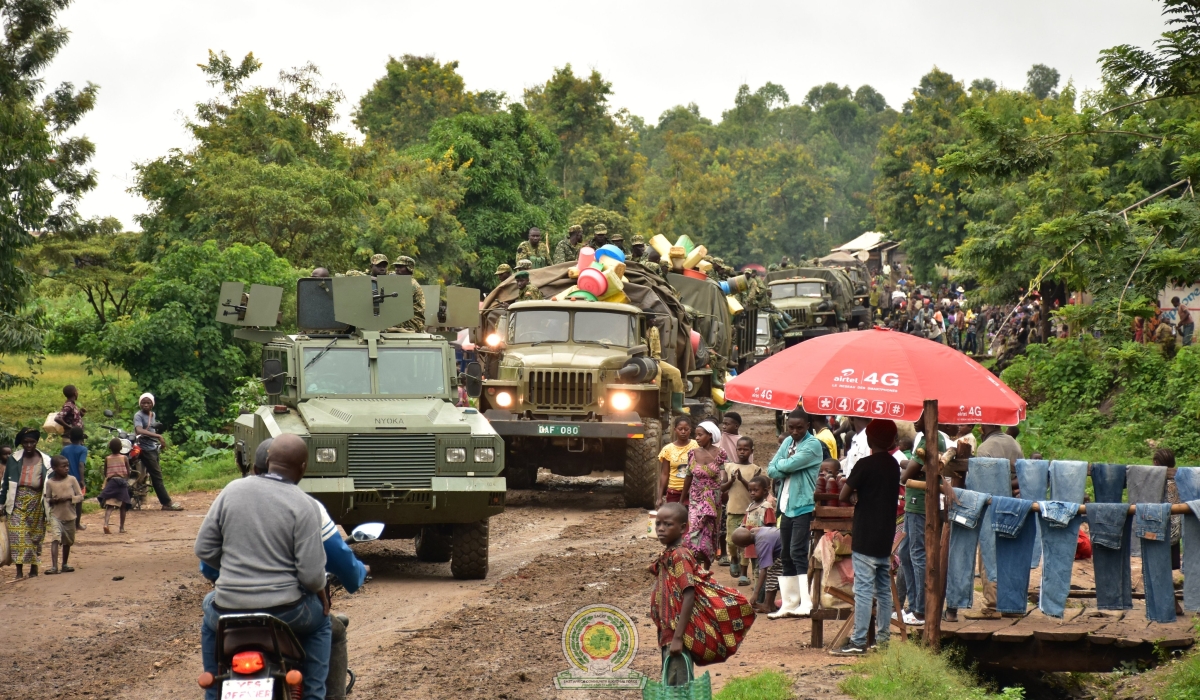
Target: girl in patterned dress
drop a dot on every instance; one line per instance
(703, 487)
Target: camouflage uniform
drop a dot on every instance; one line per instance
(416, 324)
(619, 241)
(524, 264)
(564, 251)
(644, 257)
(530, 292)
(503, 269)
(599, 230)
(539, 257)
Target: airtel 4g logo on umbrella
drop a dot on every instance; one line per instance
(847, 376)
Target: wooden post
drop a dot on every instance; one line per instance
(934, 573)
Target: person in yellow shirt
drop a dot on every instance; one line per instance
(820, 428)
(674, 461)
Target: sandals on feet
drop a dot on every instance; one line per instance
(50, 572)
(65, 569)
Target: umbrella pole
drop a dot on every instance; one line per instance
(934, 574)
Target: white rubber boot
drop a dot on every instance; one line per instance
(805, 597)
(789, 590)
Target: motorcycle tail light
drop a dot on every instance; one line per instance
(245, 662)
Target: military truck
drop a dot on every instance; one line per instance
(377, 408)
(860, 283)
(807, 306)
(571, 385)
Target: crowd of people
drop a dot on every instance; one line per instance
(41, 495)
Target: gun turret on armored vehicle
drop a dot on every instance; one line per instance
(377, 408)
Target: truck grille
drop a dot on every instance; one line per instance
(392, 461)
(560, 389)
(799, 316)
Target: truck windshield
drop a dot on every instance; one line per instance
(412, 371)
(798, 289)
(338, 371)
(606, 328)
(538, 326)
(763, 330)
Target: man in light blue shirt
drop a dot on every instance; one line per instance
(796, 464)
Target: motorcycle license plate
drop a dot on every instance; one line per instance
(251, 689)
(568, 430)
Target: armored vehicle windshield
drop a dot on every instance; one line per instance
(400, 372)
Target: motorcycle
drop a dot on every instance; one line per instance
(138, 477)
(258, 655)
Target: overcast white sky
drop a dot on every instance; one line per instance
(143, 53)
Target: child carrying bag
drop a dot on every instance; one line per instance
(696, 689)
(719, 622)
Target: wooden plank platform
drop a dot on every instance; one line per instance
(1085, 640)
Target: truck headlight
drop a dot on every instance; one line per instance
(760, 351)
(620, 401)
(504, 399)
(326, 455)
(485, 454)
(456, 454)
(493, 340)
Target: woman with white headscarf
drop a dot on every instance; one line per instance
(702, 491)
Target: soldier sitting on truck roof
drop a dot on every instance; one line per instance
(637, 249)
(524, 264)
(503, 272)
(599, 236)
(416, 324)
(567, 249)
(525, 290)
(535, 250)
(618, 240)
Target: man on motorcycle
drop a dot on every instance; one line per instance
(264, 535)
(339, 561)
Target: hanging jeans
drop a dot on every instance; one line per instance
(1111, 529)
(1033, 478)
(993, 476)
(1060, 535)
(1108, 482)
(1146, 485)
(1152, 524)
(914, 563)
(1068, 481)
(1191, 556)
(1015, 535)
(871, 582)
(966, 518)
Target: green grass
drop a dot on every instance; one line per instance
(28, 405)
(908, 671)
(764, 685)
(1182, 679)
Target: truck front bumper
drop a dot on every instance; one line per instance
(624, 426)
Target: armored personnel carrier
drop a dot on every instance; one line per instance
(387, 444)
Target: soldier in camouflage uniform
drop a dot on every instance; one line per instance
(619, 241)
(416, 324)
(503, 272)
(535, 250)
(599, 236)
(637, 249)
(378, 266)
(567, 249)
(524, 264)
(525, 290)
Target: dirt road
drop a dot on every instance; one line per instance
(126, 623)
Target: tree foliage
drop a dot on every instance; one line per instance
(43, 171)
(173, 344)
(416, 91)
(101, 265)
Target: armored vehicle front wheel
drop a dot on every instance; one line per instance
(642, 467)
(470, 550)
(433, 545)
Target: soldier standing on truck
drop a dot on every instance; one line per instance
(525, 290)
(503, 272)
(404, 267)
(599, 236)
(535, 250)
(379, 265)
(567, 249)
(637, 249)
(618, 240)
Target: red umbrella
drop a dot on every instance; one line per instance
(878, 374)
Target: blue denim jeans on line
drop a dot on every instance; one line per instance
(1060, 537)
(1033, 478)
(1108, 482)
(1068, 481)
(793, 533)
(1015, 536)
(966, 518)
(310, 625)
(1111, 530)
(914, 562)
(1191, 557)
(1147, 484)
(990, 475)
(1152, 524)
(871, 583)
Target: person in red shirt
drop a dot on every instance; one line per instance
(674, 596)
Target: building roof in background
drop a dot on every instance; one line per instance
(867, 241)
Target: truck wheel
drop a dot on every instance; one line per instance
(642, 468)
(470, 551)
(708, 409)
(433, 545)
